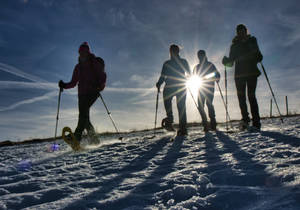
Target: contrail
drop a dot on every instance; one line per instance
(18, 72)
(29, 101)
(23, 85)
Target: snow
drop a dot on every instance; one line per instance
(246, 170)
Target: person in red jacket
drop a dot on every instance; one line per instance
(90, 77)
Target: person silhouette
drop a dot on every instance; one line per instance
(208, 74)
(174, 73)
(245, 53)
(90, 76)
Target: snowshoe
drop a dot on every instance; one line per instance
(70, 139)
(167, 124)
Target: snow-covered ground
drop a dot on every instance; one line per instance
(258, 171)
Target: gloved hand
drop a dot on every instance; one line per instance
(101, 87)
(61, 84)
(225, 60)
(218, 76)
(158, 86)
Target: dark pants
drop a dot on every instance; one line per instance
(251, 83)
(206, 96)
(180, 94)
(84, 104)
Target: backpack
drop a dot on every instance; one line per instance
(103, 73)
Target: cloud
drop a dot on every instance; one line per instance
(117, 84)
(129, 90)
(291, 22)
(144, 81)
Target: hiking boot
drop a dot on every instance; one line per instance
(254, 129)
(243, 125)
(256, 125)
(167, 124)
(213, 124)
(205, 127)
(77, 136)
(182, 132)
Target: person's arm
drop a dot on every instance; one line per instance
(162, 77)
(232, 56)
(187, 68)
(74, 80)
(255, 52)
(217, 74)
(228, 61)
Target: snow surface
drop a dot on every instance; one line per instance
(257, 171)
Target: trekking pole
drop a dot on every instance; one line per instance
(227, 114)
(58, 104)
(265, 73)
(109, 114)
(194, 99)
(156, 108)
(226, 101)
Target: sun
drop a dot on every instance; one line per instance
(193, 84)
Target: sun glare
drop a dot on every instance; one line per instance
(193, 84)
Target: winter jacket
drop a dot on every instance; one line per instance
(174, 72)
(246, 55)
(90, 77)
(206, 68)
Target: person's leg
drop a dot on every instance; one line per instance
(201, 102)
(90, 101)
(241, 93)
(211, 109)
(168, 96)
(83, 116)
(181, 106)
(251, 86)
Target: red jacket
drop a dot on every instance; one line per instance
(90, 77)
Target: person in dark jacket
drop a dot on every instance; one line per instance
(174, 73)
(245, 53)
(90, 76)
(208, 74)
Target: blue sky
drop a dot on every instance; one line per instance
(39, 40)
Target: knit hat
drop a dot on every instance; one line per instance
(241, 27)
(84, 47)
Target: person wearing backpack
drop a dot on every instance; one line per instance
(245, 53)
(208, 74)
(174, 72)
(90, 76)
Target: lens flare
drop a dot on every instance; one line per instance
(193, 84)
(24, 165)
